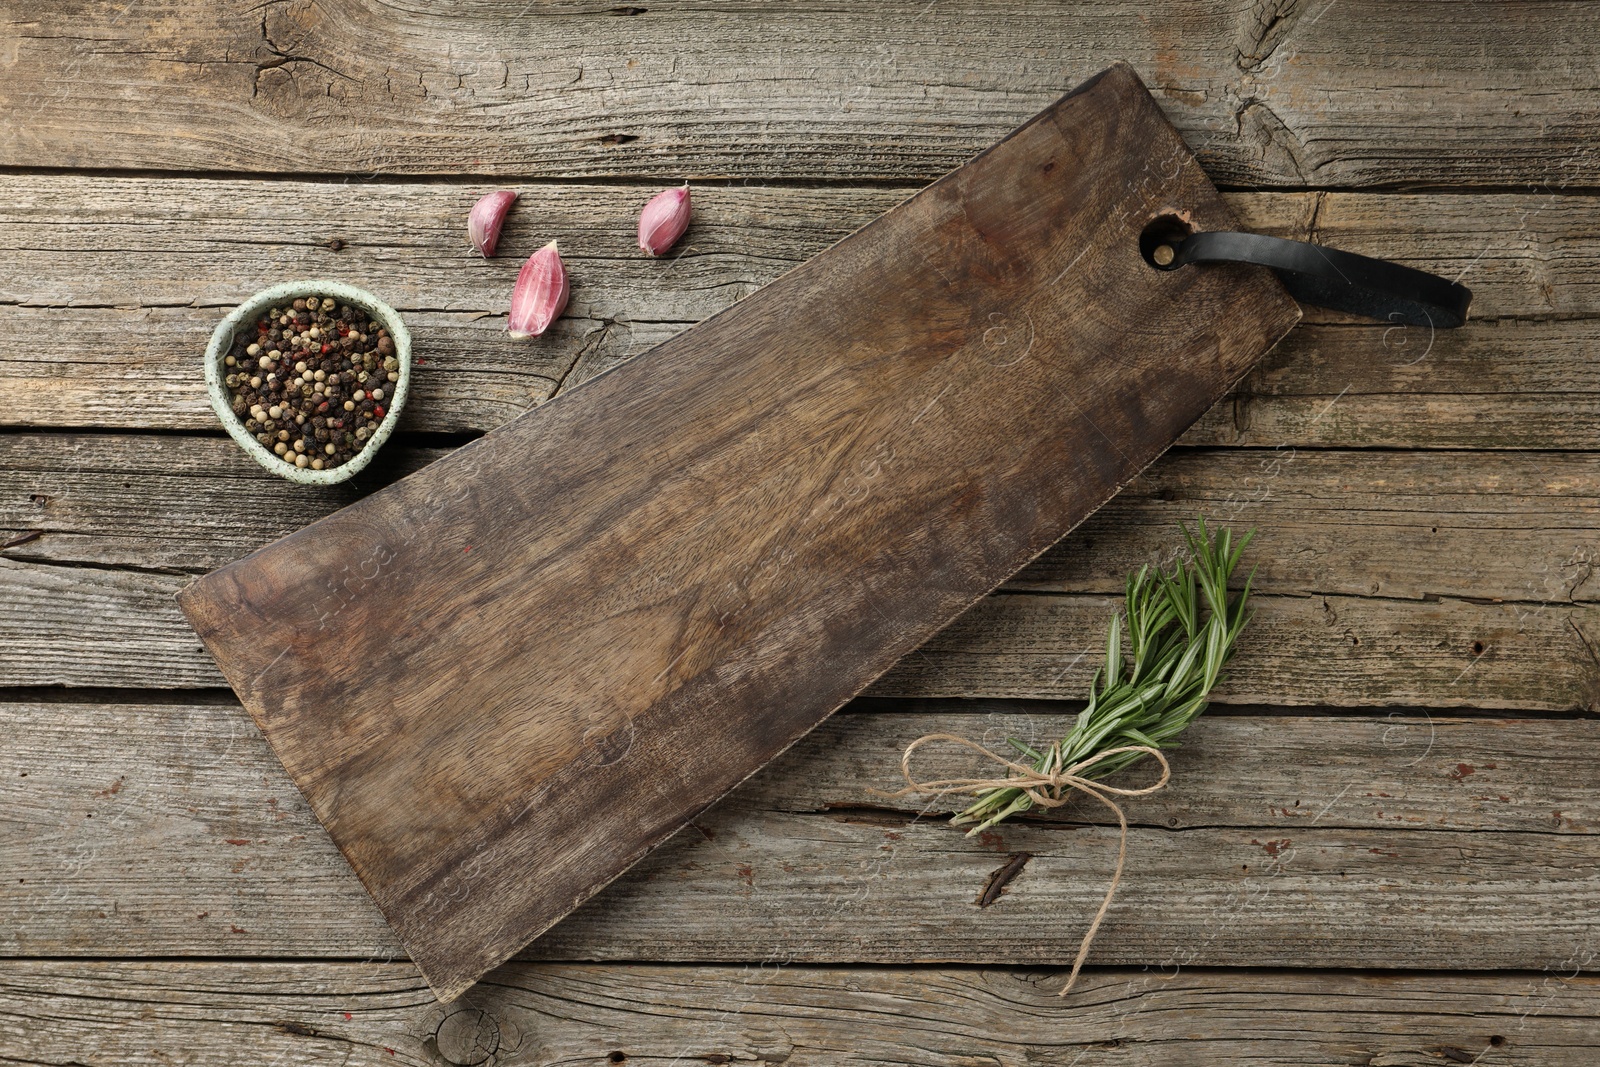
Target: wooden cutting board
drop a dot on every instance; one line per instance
(502, 680)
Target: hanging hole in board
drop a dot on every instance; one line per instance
(1159, 242)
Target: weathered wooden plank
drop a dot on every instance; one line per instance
(171, 830)
(145, 501)
(1301, 650)
(88, 626)
(92, 241)
(1521, 527)
(97, 327)
(1524, 256)
(1268, 94)
(1508, 526)
(135, 368)
(109, 242)
(1491, 385)
(94, 1013)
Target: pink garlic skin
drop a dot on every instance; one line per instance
(540, 295)
(483, 225)
(663, 220)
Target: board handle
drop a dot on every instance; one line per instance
(1327, 277)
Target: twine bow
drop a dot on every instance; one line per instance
(1046, 791)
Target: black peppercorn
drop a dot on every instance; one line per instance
(311, 421)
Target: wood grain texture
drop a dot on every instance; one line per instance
(172, 831)
(84, 626)
(93, 242)
(1269, 94)
(1475, 836)
(1508, 526)
(117, 624)
(602, 600)
(1368, 651)
(142, 270)
(1489, 386)
(54, 1012)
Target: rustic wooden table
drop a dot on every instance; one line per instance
(1381, 845)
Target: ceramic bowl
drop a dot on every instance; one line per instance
(252, 309)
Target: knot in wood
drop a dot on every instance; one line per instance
(468, 1037)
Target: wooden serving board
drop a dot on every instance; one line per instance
(502, 680)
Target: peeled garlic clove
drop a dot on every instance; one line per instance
(483, 225)
(540, 295)
(663, 220)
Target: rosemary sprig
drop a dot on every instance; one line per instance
(1181, 633)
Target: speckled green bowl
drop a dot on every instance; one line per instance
(245, 314)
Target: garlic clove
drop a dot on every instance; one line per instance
(663, 220)
(540, 295)
(488, 214)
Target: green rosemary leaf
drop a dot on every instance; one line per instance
(1113, 654)
(1138, 737)
(1027, 750)
(1182, 628)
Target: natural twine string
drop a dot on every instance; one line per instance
(1046, 791)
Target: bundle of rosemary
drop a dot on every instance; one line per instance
(1182, 628)
(1181, 631)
